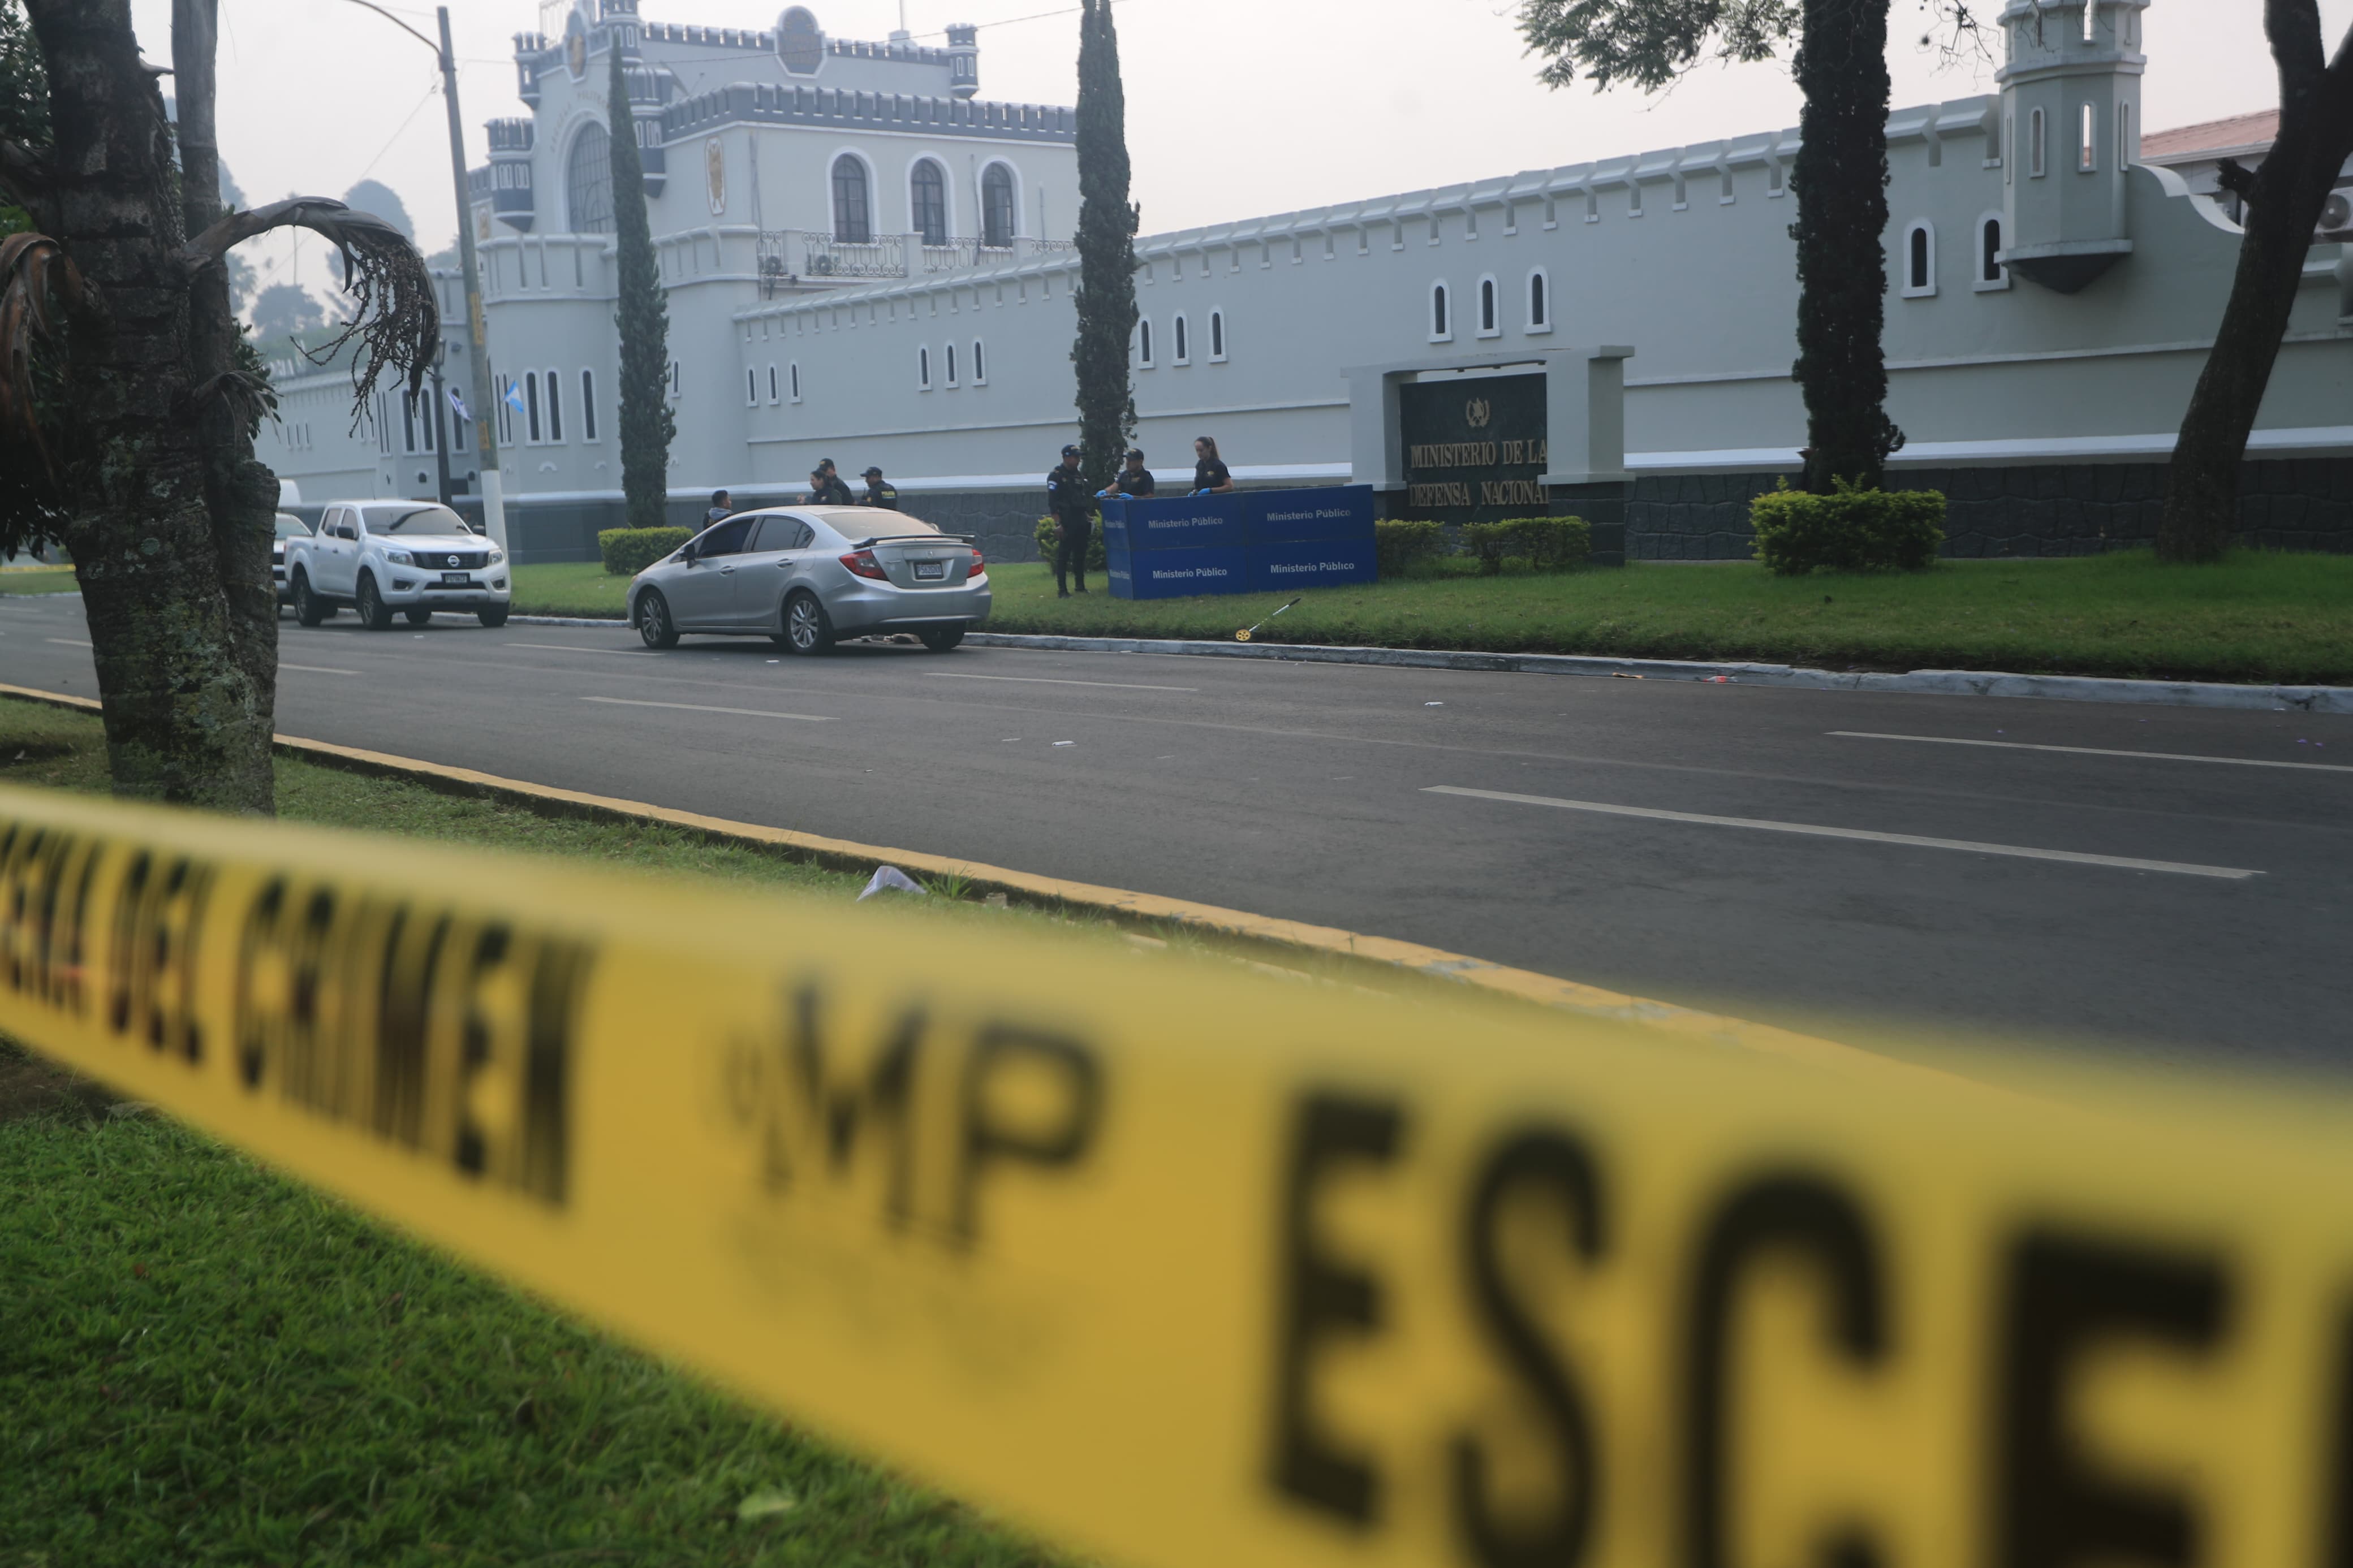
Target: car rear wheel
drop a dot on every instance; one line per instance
(374, 613)
(309, 609)
(654, 623)
(808, 628)
(418, 616)
(939, 639)
(493, 616)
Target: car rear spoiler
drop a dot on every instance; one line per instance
(903, 538)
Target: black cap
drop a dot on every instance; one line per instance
(1136, 452)
(872, 473)
(1070, 451)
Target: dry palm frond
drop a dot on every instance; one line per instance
(38, 281)
(395, 317)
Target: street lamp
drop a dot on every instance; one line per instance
(484, 410)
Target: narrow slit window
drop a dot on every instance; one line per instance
(1217, 334)
(1989, 249)
(979, 374)
(751, 388)
(408, 422)
(1144, 344)
(1178, 335)
(1438, 322)
(2086, 156)
(952, 375)
(1917, 261)
(1486, 306)
(530, 403)
(923, 368)
(587, 406)
(2034, 164)
(554, 407)
(772, 384)
(1539, 306)
(794, 373)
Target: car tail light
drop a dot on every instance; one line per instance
(979, 564)
(862, 564)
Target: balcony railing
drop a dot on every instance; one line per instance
(801, 257)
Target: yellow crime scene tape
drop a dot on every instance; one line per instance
(1183, 1265)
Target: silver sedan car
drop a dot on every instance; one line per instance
(808, 576)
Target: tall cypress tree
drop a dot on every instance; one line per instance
(647, 422)
(1106, 242)
(1839, 178)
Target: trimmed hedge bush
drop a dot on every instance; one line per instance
(630, 551)
(1047, 527)
(1849, 529)
(1399, 542)
(1541, 542)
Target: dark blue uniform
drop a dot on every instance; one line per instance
(1072, 506)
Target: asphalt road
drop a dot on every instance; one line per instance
(1819, 859)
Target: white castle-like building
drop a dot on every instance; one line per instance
(867, 261)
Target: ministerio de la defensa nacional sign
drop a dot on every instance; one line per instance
(1484, 438)
(1475, 449)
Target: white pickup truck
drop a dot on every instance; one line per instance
(388, 557)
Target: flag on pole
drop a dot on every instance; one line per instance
(514, 396)
(457, 404)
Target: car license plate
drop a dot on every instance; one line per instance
(456, 580)
(930, 571)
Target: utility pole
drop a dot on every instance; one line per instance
(485, 407)
(485, 404)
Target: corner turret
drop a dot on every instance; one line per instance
(963, 58)
(2070, 130)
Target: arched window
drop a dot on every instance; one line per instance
(751, 388)
(1490, 311)
(853, 215)
(1216, 335)
(999, 216)
(588, 182)
(2034, 144)
(923, 368)
(554, 409)
(587, 406)
(1179, 340)
(1144, 343)
(1539, 301)
(979, 365)
(952, 375)
(771, 385)
(793, 374)
(1919, 260)
(1442, 326)
(2087, 156)
(1990, 272)
(928, 190)
(530, 403)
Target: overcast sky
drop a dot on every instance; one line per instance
(1235, 107)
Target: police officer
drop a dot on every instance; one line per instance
(1066, 499)
(881, 491)
(1134, 480)
(826, 489)
(1210, 475)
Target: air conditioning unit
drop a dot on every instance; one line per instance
(2336, 215)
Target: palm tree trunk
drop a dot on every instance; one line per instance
(186, 673)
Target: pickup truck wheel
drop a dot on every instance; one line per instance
(493, 616)
(375, 614)
(418, 617)
(654, 623)
(939, 639)
(808, 628)
(308, 609)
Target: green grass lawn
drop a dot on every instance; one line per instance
(2258, 617)
(38, 580)
(204, 1363)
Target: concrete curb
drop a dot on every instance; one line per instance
(1931, 682)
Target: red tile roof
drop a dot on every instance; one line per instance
(2240, 130)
